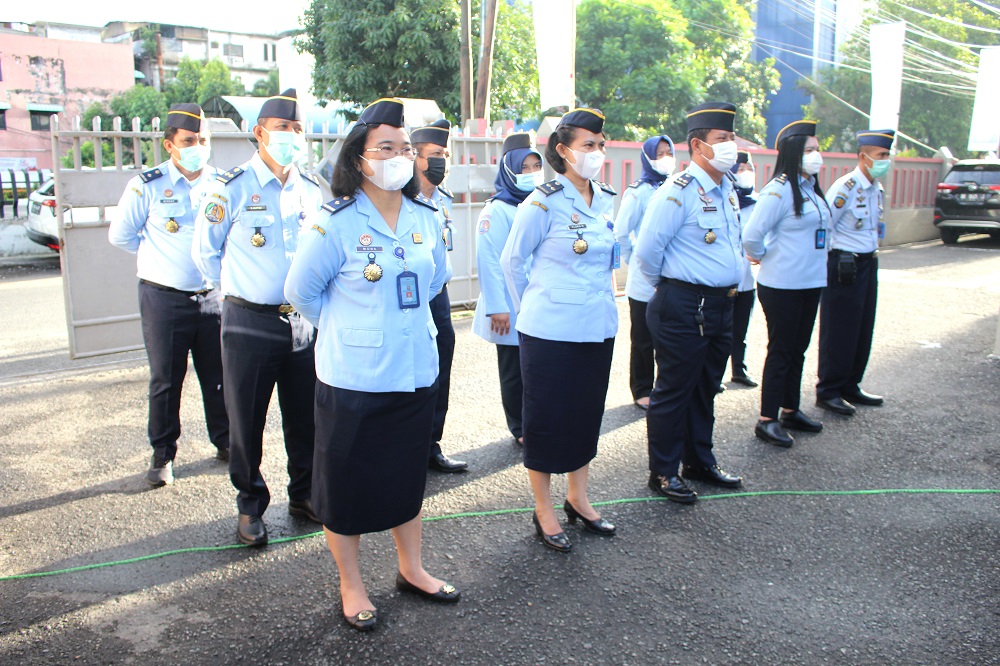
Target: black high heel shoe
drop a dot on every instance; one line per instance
(598, 526)
(559, 542)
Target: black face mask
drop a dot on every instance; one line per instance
(435, 170)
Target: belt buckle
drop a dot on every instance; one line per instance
(731, 293)
(285, 309)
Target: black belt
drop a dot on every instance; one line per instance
(284, 308)
(859, 255)
(727, 292)
(163, 287)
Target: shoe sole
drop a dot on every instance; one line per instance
(251, 542)
(297, 513)
(841, 412)
(713, 482)
(800, 428)
(673, 498)
(776, 442)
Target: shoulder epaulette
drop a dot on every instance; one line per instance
(781, 179)
(607, 188)
(424, 201)
(338, 204)
(850, 183)
(550, 187)
(683, 179)
(227, 177)
(308, 176)
(445, 191)
(634, 184)
(150, 175)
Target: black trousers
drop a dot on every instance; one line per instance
(257, 354)
(641, 366)
(173, 324)
(441, 313)
(689, 369)
(791, 315)
(846, 325)
(742, 309)
(511, 386)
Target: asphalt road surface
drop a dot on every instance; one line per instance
(902, 578)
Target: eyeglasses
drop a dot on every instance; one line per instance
(388, 152)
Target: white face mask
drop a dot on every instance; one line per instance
(725, 155)
(811, 162)
(391, 174)
(665, 165)
(528, 181)
(588, 165)
(746, 180)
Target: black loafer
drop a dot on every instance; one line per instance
(222, 454)
(714, 475)
(446, 595)
(798, 421)
(363, 621)
(864, 398)
(837, 406)
(251, 530)
(597, 526)
(746, 380)
(558, 542)
(442, 463)
(303, 509)
(771, 431)
(673, 488)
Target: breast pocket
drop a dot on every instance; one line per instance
(260, 229)
(167, 216)
(432, 329)
(361, 337)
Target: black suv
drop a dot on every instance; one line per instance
(968, 201)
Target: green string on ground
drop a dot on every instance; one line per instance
(503, 512)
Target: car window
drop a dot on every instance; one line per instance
(983, 174)
(48, 189)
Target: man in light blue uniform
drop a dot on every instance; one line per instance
(179, 311)
(847, 306)
(431, 144)
(689, 248)
(247, 233)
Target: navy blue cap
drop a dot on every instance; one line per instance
(880, 138)
(591, 120)
(797, 128)
(515, 141)
(185, 117)
(385, 111)
(285, 106)
(437, 133)
(712, 115)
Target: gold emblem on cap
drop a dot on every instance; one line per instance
(172, 226)
(258, 240)
(710, 237)
(373, 272)
(580, 246)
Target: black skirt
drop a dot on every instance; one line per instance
(565, 386)
(370, 462)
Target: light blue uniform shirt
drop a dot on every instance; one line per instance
(627, 225)
(254, 202)
(143, 225)
(495, 222)
(785, 244)
(678, 225)
(568, 296)
(747, 282)
(857, 207)
(365, 341)
(443, 199)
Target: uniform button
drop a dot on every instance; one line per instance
(601, 273)
(600, 293)
(600, 238)
(602, 256)
(407, 331)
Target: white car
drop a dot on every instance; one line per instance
(42, 226)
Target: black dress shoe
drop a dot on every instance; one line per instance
(837, 406)
(251, 530)
(303, 509)
(363, 621)
(222, 454)
(798, 421)
(673, 488)
(721, 389)
(442, 463)
(446, 595)
(597, 526)
(714, 475)
(861, 397)
(559, 542)
(771, 431)
(746, 380)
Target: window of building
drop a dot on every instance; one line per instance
(168, 31)
(274, 53)
(40, 120)
(233, 50)
(3, 119)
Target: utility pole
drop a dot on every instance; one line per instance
(465, 60)
(486, 60)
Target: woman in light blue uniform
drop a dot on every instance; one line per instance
(520, 172)
(658, 162)
(364, 276)
(787, 234)
(566, 318)
(746, 184)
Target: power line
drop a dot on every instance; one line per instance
(944, 19)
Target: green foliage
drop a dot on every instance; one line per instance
(514, 91)
(198, 82)
(147, 35)
(95, 110)
(215, 80)
(266, 87)
(932, 110)
(184, 87)
(140, 102)
(88, 156)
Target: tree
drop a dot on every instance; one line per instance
(215, 80)
(266, 87)
(939, 68)
(140, 102)
(514, 93)
(184, 87)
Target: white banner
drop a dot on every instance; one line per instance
(887, 73)
(985, 131)
(556, 49)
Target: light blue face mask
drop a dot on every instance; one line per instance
(285, 147)
(879, 167)
(528, 181)
(194, 158)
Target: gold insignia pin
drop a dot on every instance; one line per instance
(172, 226)
(258, 240)
(418, 239)
(710, 237)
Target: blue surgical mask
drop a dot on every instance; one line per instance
(194, 158)
(285, 147)
(528, 181)
(879, 167)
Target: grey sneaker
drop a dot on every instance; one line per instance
(161, 472)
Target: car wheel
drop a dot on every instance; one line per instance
(949, 236)
(995, 234)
